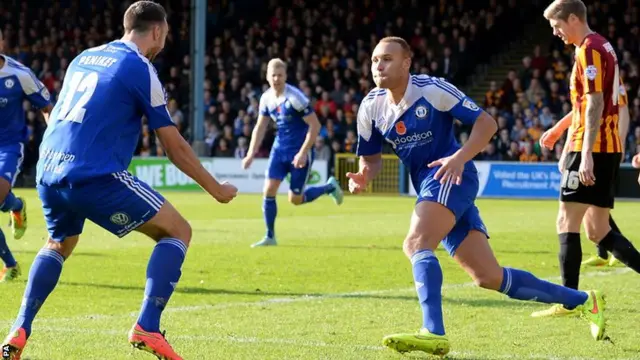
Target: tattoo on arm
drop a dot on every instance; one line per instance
(595, 106)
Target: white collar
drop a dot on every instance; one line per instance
(131, 45)
(402, 105)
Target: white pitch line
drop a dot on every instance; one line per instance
(302, 343)
(291, 300)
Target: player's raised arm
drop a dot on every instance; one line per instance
(149, 91)
(35, 92)
(369, 149)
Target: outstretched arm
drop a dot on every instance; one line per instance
(151, 97)
(369, 149)
(257, 135)
(180, 153)
(370, 166)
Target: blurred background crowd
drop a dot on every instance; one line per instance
(327, 47)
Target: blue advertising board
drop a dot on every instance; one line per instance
(519, 180)
(516, 180)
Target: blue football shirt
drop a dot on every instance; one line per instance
(288, 111)
(18, 83)
(95, 126)
(420, 127)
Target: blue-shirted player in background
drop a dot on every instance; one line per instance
(82, 173)
(17, 83)
(415, 114)
(292, 152)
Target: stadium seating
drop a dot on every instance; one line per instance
(327, 48)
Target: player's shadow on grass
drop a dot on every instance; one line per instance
(346, 247)
(75, 254)
(399, 248)
(207, 291)
(519, 252)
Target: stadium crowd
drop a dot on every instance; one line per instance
(327, 48)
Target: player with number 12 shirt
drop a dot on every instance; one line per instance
(82, 174)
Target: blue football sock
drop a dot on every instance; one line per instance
(11, 203)
(5, 253)
(314, 192)
(427, 276)
(522, 285)
(43, 277)
(163, 273)
(270, 210)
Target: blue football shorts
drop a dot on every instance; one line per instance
(460, 199)
(119, 203)
(11, 157)
(281, 164)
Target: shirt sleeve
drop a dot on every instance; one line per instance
(33, 89)
(590, 59)
(446, 97)
(263, 109)
(148, 90)
(300, 102)
(370, 140)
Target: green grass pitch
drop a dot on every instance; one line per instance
(337, 283)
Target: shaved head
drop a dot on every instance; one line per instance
(400, 41)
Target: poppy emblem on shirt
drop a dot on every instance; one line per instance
(401, 129)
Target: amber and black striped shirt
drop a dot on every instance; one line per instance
(596, 70)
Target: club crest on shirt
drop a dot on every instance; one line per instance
(9, 83)
(421, 112)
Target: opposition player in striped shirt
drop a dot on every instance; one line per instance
(551, 136)
(592, 154)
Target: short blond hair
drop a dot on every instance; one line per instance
(562, 9)
(400, 41)
(277, 63)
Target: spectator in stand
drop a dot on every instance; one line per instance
(327, 45)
